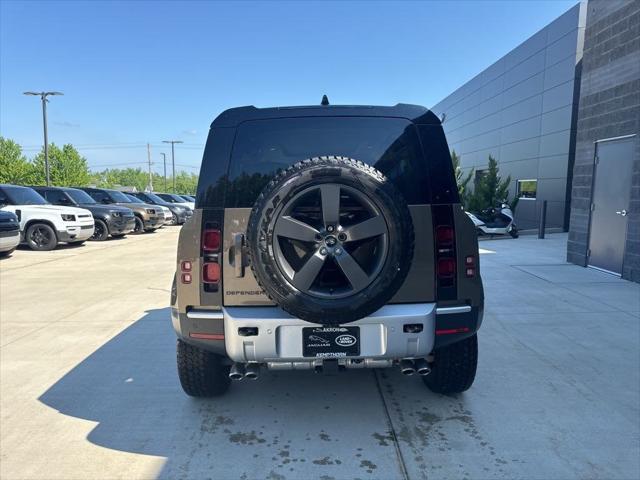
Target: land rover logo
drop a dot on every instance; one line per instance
(345, 340)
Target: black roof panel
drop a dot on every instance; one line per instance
(415, 113)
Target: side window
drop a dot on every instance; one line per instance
(100, 197)
(4, 200)
(56, 197)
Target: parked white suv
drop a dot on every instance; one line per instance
(42, 225)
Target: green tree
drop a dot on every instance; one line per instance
(490, 189)
(14, 166)
(461, 180)
(67, 168)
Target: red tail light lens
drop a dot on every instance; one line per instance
(211, 240)
(211, 272)
(444, 235)
(186, 266)
(446, 267)
(186, 278)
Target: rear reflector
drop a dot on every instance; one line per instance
(211, 272)
(211, 240)
(452, 331)
(186, 278)
(207, 336)
(470, 266)
(446, 267)
(186, 266)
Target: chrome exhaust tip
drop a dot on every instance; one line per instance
(236, 372)
(252, 371)
(422, 367)
(406, 367)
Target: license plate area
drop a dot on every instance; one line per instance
(330, 342)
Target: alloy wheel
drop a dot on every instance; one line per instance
(330, 241)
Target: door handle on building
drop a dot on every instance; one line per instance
(622, 212)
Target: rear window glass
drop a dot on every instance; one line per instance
(262, 148)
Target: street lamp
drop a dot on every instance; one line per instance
(43, 96)
(164, 162)
(173, 160)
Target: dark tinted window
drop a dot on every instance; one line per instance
(118, 196)
(100, 196)
(57, 197)
(133, 199)
(264, 147)
(23, 196)
(79, 196)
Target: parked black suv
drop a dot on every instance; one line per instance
(111, 220)
(327, 238)
(146, 217)
(179, 213)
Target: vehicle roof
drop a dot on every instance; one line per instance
(14, 186)
(414, 113)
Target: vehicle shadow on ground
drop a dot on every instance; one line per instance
(284, 425)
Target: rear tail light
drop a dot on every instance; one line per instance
(211, 272)
(186, 278)
(186, 266)
(444, 235)
(446, 267)
(470, 266)
(211, 240)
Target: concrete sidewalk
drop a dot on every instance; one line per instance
(88, 384)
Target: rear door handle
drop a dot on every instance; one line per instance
(622, 212)
(238, 241)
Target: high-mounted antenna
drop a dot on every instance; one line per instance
(325, 100)
(443, 117)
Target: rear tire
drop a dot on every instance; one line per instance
(41, 237)
(118, 235)
(201, 373)
(514, 232)
(101, 231)
(77, 244)
(454, 367)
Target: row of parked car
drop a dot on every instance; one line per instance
(43, 217)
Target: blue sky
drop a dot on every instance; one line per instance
(138, 72)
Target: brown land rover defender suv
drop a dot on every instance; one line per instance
(327, 238)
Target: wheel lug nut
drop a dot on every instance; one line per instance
(323, 251)
(342, 237)
(318, 236)
(338, 251)
(330, 228)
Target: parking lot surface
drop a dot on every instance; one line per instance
(88, 384)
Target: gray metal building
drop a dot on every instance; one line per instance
(605, 205)
(522, 110)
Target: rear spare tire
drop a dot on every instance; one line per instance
(330, 240)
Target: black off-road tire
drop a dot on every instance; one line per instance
(201, 373)
(514, 232)
(454, 367)
(7, 253)
(118, 235)
(349, 173)
(79, 243)
(49, 244)
(101, 231)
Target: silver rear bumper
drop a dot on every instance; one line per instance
(279, 335)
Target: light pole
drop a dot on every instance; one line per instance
(43, 96)
(173, 160)
(164, 161)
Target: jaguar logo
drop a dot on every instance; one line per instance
(346, 340)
